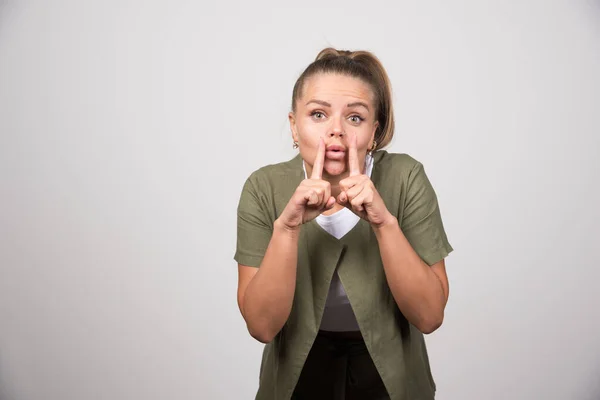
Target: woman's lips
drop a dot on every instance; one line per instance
(335, 155)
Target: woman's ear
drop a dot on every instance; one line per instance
(292, 119)
(375, 126)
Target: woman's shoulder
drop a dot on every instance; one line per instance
(398, 163)
(276, 172)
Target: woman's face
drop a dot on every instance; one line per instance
(333, 107)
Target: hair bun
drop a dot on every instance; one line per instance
(331, 52)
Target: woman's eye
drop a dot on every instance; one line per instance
(356, 119)
(318, 115)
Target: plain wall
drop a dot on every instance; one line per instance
(128, 128)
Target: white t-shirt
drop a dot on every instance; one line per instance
(338, 314)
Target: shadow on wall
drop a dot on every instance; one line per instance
(4, 393)
(5, 6)
(7, 9)
(595, 379)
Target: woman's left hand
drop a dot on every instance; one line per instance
(358, 193)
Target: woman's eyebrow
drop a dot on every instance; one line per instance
(358, 104)
(320, 102)
(349, 105)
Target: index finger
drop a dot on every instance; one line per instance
(353, 157)
(317, 169)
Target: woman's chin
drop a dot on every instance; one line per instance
(334, 168)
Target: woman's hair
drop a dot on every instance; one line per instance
(365, 66)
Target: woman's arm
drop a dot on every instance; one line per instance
(421, 291)
(265, 294)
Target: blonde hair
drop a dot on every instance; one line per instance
(363, 65)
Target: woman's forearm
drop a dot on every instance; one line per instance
(269, 295)
(416, 288)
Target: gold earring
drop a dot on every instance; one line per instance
(295, 146)
(371, 148)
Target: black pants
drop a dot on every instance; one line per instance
(339, 369)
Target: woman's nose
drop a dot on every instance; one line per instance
(336, 129)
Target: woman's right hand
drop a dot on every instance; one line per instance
(311, 198)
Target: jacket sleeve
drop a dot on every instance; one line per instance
(254, 226)
(422, 222)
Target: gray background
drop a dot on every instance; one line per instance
(128, 129)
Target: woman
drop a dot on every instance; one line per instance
(341, 250)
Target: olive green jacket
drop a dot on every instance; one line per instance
(396, 347)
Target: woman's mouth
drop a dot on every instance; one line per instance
(335, 152)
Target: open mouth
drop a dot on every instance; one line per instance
(335, 152)
(336, 147)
